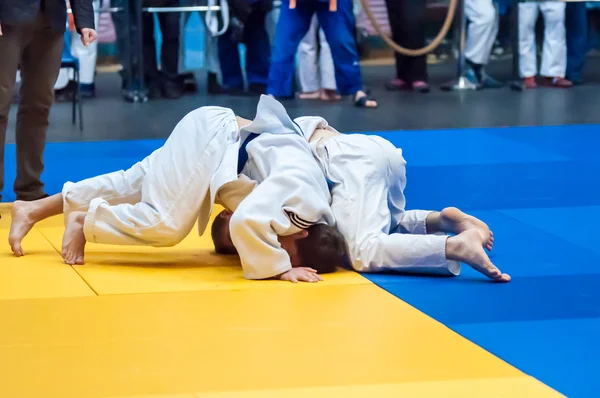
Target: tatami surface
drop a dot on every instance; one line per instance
(180, 322)
(200, 330)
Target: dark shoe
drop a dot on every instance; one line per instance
(87, 90)
(67, 93)
(172, 89)
(257, 89)
(489, 82)
(212, 83)
(189, 82)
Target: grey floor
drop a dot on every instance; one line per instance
(107, 117)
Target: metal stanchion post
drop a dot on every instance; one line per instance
(140, 48)
(461, 82)
(517, 83)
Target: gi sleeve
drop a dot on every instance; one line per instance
(255, 226)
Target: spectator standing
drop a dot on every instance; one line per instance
(407, 21)
(554, 52)
(576, 25)
(32, 37)
(315, 66)
(338, 23)
(65, 85)
(248, 26)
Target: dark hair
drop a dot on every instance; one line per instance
(324, 249)
(218, 232)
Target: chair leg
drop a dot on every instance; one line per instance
(80, 103)
(73, 120)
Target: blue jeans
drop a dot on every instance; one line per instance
(339, 30)
(577, 40)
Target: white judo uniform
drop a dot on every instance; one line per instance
(367, 175)
(554, 53)
(482, 30)
(157, 201)
(292, 192)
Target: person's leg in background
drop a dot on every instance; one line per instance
(481, 34)
(308, 63)
(291, 28)
(577, 44)
(232, 79)
(339, 28)
(554, 56)
(528, 15)
(87, 59)
(169, 54)
(258, 50)
(65, 85)
(40, 64)
(10, 48)
(151, 75)
(327, 70)
(407, 21)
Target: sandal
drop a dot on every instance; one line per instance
(362, 101)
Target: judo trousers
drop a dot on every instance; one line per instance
(368, 202)
(554, 52)
(157, 201)
(339, 27)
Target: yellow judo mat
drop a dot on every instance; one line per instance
(183, 322)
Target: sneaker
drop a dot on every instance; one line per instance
(489, 82)
(172, 89)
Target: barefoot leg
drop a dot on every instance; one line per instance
(452, 220)
(73, 244)
(467, 247)
(24, 215)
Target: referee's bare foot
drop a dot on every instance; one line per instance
(452, 220)
(73, 244)
(22, 221)
(467, 248)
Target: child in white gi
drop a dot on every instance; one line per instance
(554, 53)
(367, 178)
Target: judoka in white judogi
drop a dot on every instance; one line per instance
(368, 179)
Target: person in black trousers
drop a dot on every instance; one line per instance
(407, 21)
(166, 82)
(32, 38)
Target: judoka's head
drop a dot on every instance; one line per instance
(320, 246)
(220, 233)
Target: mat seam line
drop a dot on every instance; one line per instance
(72, 267)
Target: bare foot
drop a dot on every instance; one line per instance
(314, 95)
(329, 95)
(73, 244)
(21, 223)
(454, 221)
(466, 247)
